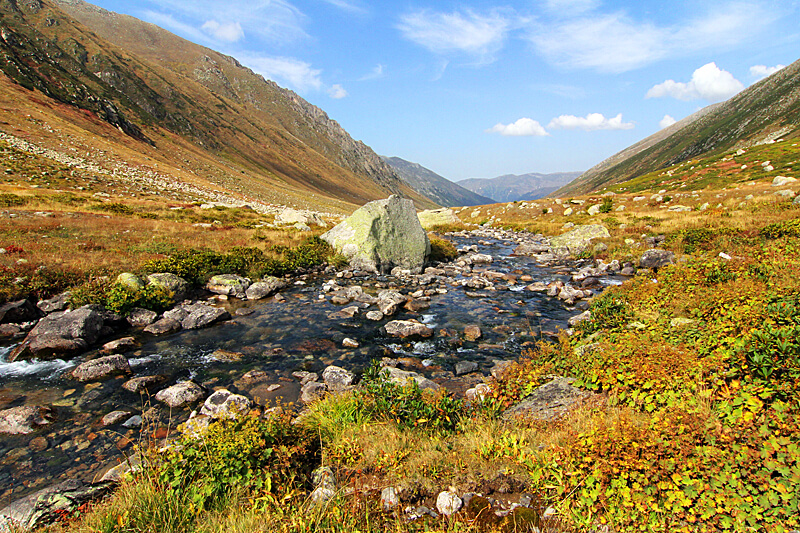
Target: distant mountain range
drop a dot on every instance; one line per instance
(160, 101)
(439, 189)
(512, 188)
(767, 110)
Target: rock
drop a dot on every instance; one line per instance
(142, 384)
(178, 286)
(130, 465)
(312, 390)
(382, 235)
(403, 377)
(390, 301)
(337, 379)
(177, 313)
(130, 281)
(114, 417)
(264, 288)
(389, 499)
(577, 319)
(656, 258)
(38, 444)
(180, 394)
(374, 316)
(139, 317)
(50, 504)
(437, 217)
(549, 401)
(478, 393)
(61, 333)
(102, 368)
(225, 404)
(196, 426)
(228, 285)
(448, 503)
(407, 328)
(594, 210)
(24, 419)
(472, 333)
(56, 303)
(579, 238)
(119, 346)
(679, 209)
(786, 193)
(531, 248)
(163, 327)
(465, 367)
(17, 312)
(203, 315)
(293, 216)
(347, 342)
(415, 306)
(680, 322)
(480, 259)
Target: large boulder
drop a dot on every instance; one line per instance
(180, 394)
(225, 404)
(266, 287)
(102, 368)
(228, 285)
(578, 239)
(549, 401)
(61, 334)
(656, 258)
(202, 315)
(437, 217)
(19, 311)
(50, 504)
(382, 235)
(178, 286)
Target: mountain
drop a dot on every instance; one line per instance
(511, 188)
(768, 110)
(439, 189)
(182, 108)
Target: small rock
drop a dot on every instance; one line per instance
(407, 328)
(224, 404)
(142, 384)
(119, 346)
(375, 316)
(180, 394)
(465, 367)
(102, 368)
(163, 327)
(350, 343)
(337, 379)
(389, 499)
(312, 391)
(228, 285)
(448, 503)
(203, 315)
(113, 417)
(472, 333)
(139, 318)
(24, 419)
(656, 258)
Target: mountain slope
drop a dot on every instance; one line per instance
(434, 186)
(203, 112)
(510, 187)
(767, 110)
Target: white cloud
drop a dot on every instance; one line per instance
(591, 122)
(479, 36)
(707, 83)
(617, 42)
(277, 22)
(337, 91)
(666, 122)
(524, 127)
(344, 5)
(230, 32)
(762, 71)
(374, 74)
(296, 73)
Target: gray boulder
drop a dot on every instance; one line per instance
(178, 286)
(407, 328)
(56, 303)
(390, 301)
(579, 238)
(131, 281)
(61, 334)
(228, 285)
(24, 419)
(19, 311)
(437, 217)
(382, 235)
(141, 317)
(163, 327)
(549, 401)
(264, 288)
(47, 505)
(337, 379)
(102, 368)
(142, 383)
(656, 258)
(404, 377)
(225, 404)
(180, 394)
(202, 315)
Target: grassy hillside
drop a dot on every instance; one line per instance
(256, 140)
(767, 111)
(434, 186)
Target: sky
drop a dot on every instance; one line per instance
(483, 88)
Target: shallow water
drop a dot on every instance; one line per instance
(277, 338)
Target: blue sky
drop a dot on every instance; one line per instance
(484, 88)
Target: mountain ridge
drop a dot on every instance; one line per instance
(518, 187)
(434, 186)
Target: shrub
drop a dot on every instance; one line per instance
(248, 454)
(442, 250)
(122, 299)
(607, 205)
(116, 208)
(8, 199)
(786, 228)
(609, 311)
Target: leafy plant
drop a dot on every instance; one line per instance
(442, 250)
(607, 205)
(123, 299)
(8, 199)
(609, 311)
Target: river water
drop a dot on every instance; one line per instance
(277, 338)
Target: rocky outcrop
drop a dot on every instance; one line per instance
(437, 217)
(47, 505)
(578, 239)
(60, 334)
(549, 401)
(382, 235)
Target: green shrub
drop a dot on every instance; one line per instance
(787, 228)
(8, 199)
(408, 406)
(116, 208)
(607, 205)
(442, 250)
(122, 299)
(244, 454)
(93, 291)
(609, 311)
